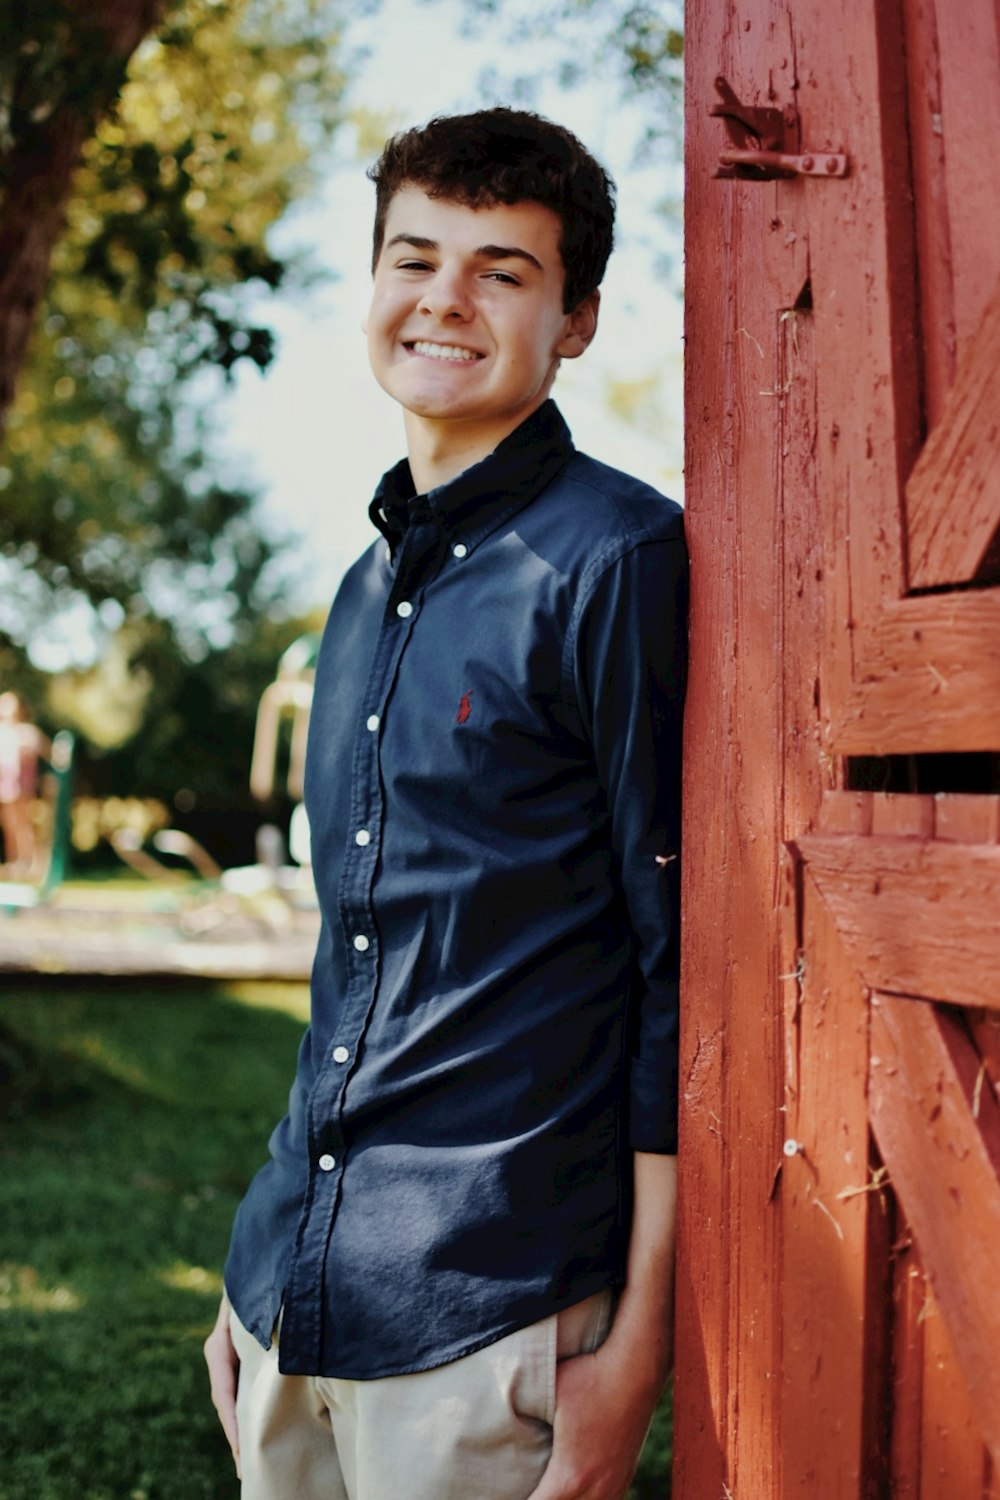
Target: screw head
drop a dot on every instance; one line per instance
(808, 164)
(831, 164)
(793, 1148)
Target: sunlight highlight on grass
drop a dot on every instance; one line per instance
(22, 1287)
(290, 999)
(185, 1278)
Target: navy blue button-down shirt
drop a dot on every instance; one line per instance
(492, 785)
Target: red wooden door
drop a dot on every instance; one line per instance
(839, 1320)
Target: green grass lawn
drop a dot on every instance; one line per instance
(132, 1115)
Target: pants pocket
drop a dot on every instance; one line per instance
(583, 1327)
(533, 1390)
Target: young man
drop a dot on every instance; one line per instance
(453, 1279)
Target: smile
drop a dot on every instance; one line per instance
(452, 352)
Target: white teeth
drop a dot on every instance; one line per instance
(444, 351)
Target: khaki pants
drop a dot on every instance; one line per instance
(479, 1428)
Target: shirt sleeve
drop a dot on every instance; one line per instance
(630, 667)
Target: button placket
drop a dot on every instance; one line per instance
(419, 556)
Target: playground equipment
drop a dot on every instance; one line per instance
(291, 692)
(269, 891)
(192, 918)
(58, 792)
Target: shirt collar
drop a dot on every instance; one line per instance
(476, 501)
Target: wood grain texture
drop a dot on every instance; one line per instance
(861, 239)
(846, 812)
(909, 1297)
(966, 818)
(836, 1269)
(918, 917)
(943, 1171)
(953, 1462)
(747, 271)
(930, 193)
(900, 674)
(926, 677)
(953, 493)
(902, 815)
(969, 48)
(807, 371)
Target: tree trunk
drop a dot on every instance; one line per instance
(40, 167)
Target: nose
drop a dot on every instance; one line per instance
(446, 296)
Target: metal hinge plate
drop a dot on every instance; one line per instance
(766, 143)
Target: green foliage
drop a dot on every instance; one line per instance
(115, 514)
(134, 1117)
(108, 492)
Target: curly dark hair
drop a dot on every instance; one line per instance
(508, 156)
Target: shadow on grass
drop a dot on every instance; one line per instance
(133, 1116)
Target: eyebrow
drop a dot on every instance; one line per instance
(484, 252)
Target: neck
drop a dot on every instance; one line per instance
(436, 457)
(439, 451)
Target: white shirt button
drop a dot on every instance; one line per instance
(362, 837)
(372, 722)
(460, 550)
(327, 1163)
(340, 1054)
(361, 943)
(404, 609)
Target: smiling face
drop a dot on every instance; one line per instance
(466, 326)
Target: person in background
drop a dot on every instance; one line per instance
(22, 745)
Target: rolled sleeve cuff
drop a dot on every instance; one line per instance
(653, 1108)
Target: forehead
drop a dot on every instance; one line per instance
(454, 225)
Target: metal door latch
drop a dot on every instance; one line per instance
(766, 143)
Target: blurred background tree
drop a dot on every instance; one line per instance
(146, 151)
(641, 42)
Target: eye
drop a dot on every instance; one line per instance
(413, 265)
(503, 277)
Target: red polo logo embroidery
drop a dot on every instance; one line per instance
(464, 708)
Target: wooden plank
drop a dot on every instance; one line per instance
(953, 493)
(289, 957)
(909, 1295)
(930, 192)
(953, 1461)
(861, 239)
(984, 1028)
(928, 677)
(806, 768)
(966, 818)
(918, 918)
(901, 674)
(902, 814)
(836, 1268)
(970, 114)
(747, 267)
(946, 1181)
(846, 812)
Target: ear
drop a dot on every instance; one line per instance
(581, 325)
